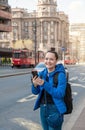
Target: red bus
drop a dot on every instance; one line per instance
(69, 60)
(25, 58)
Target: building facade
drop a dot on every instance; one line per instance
(46, 27)
(74, 43)
(5, 23)
(78, 30)
(5, 16)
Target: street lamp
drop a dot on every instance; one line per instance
(13, 41)
(35, 40)
(63, 53)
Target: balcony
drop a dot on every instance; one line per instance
(5, 15)
(5, 28)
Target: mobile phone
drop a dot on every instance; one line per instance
(34, 73)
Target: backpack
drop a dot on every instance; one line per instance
(68, 95)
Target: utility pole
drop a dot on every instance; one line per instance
(35, 40)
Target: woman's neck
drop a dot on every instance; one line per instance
(51, 70)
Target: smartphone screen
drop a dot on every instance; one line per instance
(34, 73)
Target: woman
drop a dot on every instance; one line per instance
(50, 99)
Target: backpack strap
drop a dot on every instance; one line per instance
(55, 79)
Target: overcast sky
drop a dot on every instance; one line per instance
(73, 8)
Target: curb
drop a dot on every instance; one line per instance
(14, 74)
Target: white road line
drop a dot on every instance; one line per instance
(28, 98)
(77, 85)
(27, 124)
(75, 93)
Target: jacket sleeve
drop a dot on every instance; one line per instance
(59, 90)
(35, 90)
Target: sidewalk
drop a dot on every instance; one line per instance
(8, 71)
(80, 123)
(76, 123)
(77, 119)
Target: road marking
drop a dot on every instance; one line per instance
(73, 78)
(77, 85)
(75, 93)
(27, 124)
(28, 98)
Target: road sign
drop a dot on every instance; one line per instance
(63, 49)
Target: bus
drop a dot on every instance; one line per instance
(25, 58)
(69, 60)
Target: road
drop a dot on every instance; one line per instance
(16, 104)
(16, 101)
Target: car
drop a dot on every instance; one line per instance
(60, 62)
(39, 67)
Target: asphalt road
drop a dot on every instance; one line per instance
(16, 101)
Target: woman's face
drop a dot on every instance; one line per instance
(50, 61)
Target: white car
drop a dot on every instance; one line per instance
(39, 67)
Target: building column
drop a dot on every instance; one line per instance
(49, 35)
(41, 46)
(56, 41)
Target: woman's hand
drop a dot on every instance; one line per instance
(37, 81)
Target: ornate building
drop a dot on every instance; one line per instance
(46, 27)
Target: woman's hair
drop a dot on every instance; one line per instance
(54, 52)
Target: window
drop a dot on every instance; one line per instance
(25, 23)
(14, 24)
(26, 29)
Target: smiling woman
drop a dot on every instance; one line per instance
(50, 97)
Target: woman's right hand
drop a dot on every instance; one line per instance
(37, 81)
(34, 81)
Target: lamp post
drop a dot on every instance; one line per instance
(63, 53)
(35, 40)
(14, 41)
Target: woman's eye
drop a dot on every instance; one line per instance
(50, 59)
(46, 58)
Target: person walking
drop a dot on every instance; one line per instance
(50, 98)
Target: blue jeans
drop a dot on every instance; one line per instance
(45, 110)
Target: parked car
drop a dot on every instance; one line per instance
(39, 67)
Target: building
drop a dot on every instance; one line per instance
(74, 43)
(46, 27)
(5, 22)
(5, 16)
(78, 30)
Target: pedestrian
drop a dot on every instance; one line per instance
(50, 99)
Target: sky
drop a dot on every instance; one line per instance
(73, 8)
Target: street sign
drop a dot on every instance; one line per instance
(63, 49)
